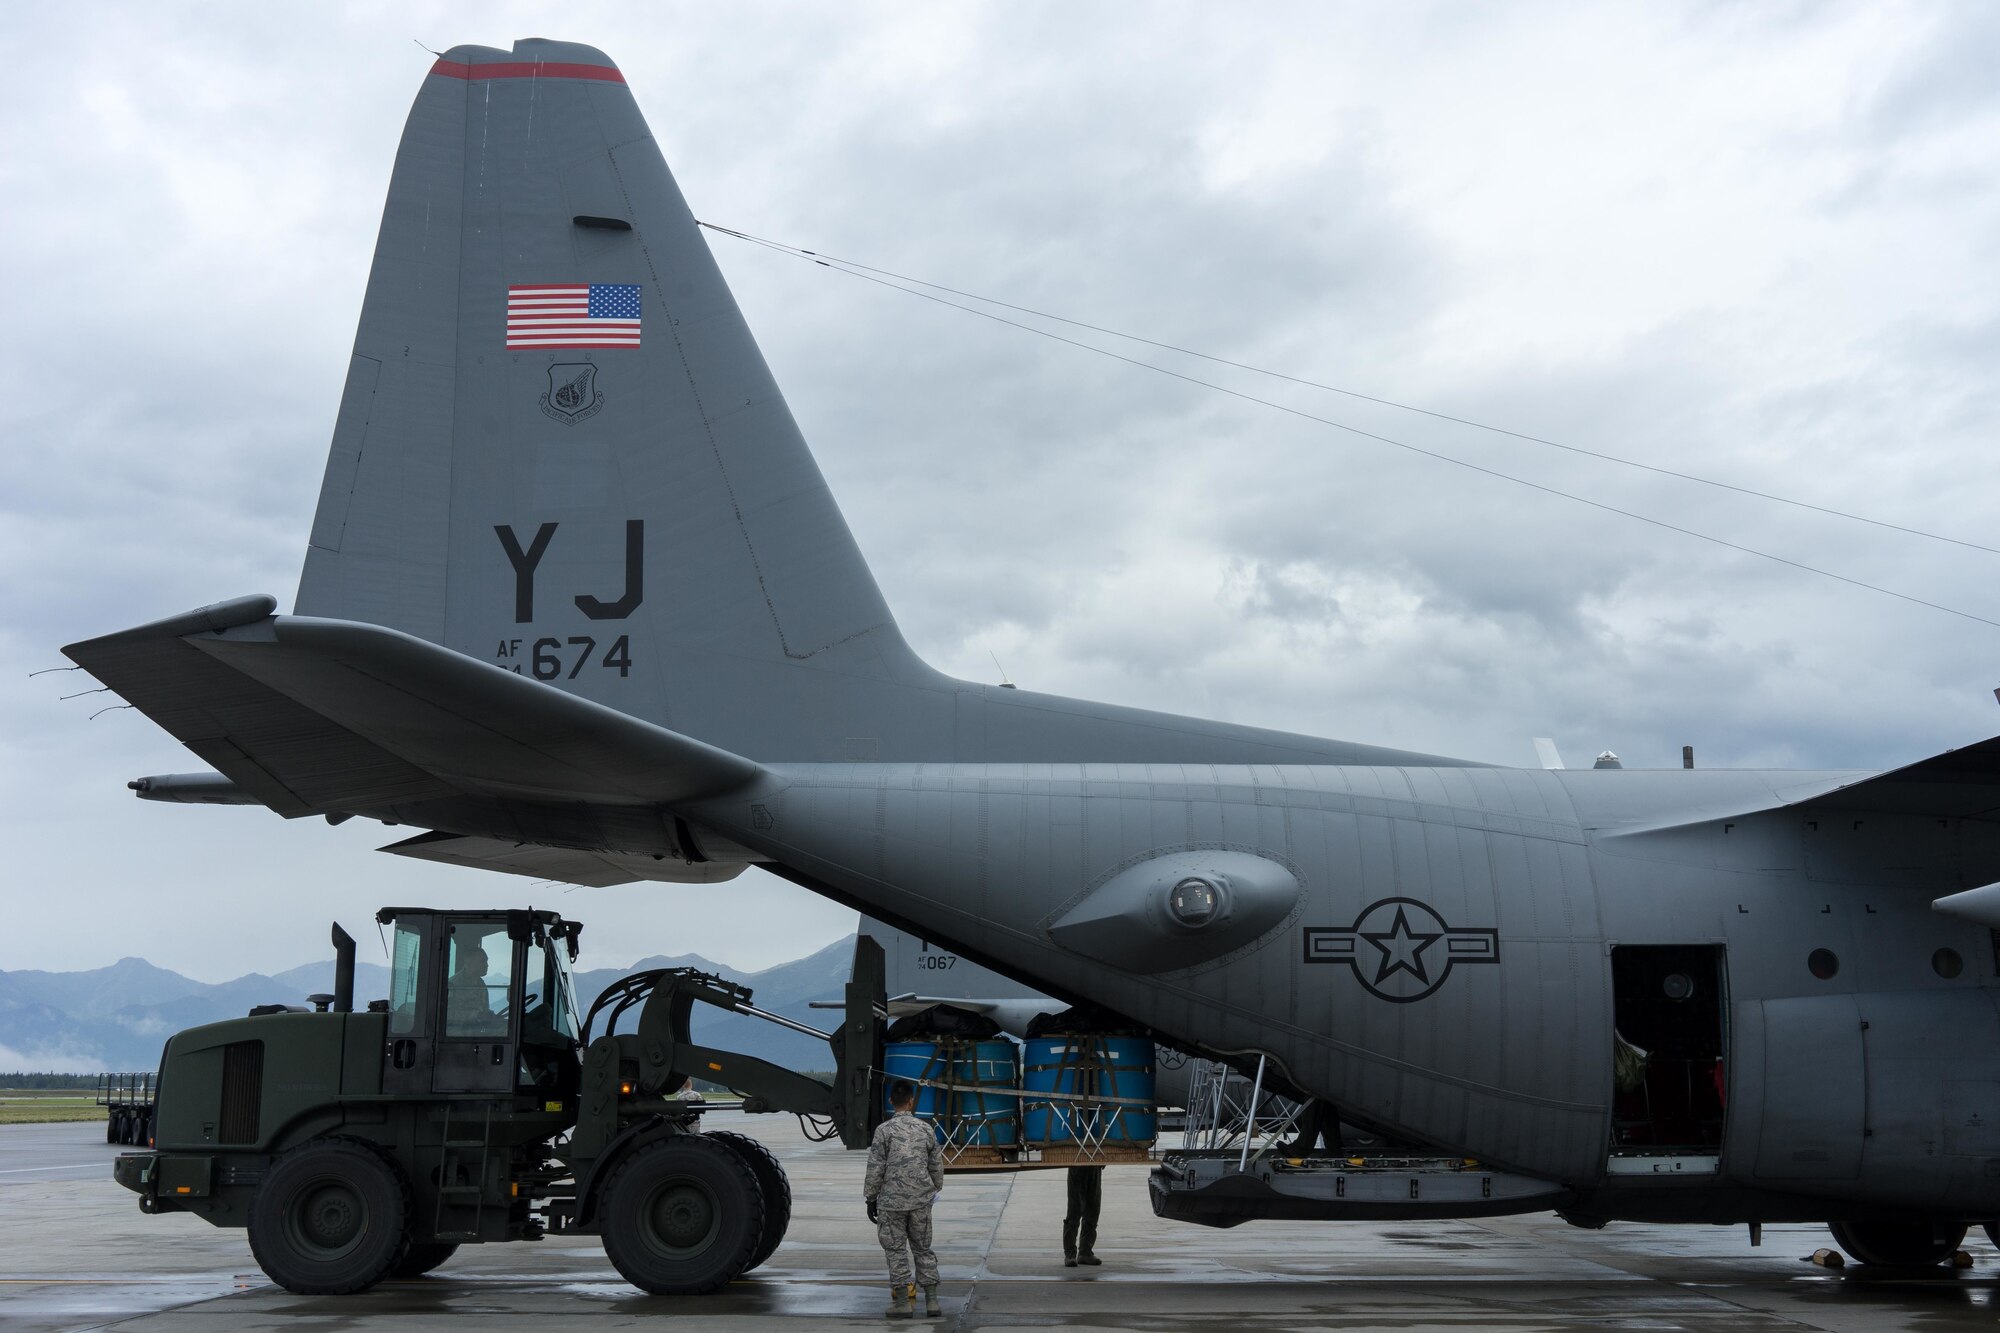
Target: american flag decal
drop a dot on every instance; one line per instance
(598, 314)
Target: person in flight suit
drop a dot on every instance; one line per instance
(905, 1173)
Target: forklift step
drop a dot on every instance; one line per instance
(465, 1143)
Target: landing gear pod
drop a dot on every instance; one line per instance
(1898, 1244)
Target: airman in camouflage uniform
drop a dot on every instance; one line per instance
(905, 1172)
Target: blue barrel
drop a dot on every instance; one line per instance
(1126, 1072)
(1089, 1066)
(915, 1061)
(987, 1118)
(1052, 1064)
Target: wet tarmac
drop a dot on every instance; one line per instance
(75, 1253)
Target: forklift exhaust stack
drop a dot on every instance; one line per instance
(343, 971)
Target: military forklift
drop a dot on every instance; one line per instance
(472, 1106)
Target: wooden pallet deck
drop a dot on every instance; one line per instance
(1050, 1158)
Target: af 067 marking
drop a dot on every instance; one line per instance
(526, 560)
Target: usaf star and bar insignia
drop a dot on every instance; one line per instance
(1400, 949)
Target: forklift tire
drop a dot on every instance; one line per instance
(332, 1218)
(1897, 1244)
(422, 1257)
(772, 1181)
(681, 1216)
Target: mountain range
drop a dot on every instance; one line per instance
(118, 1017)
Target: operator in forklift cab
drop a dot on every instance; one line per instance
(468, 1008)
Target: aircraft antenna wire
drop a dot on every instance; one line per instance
(830, 261)
(838, 266)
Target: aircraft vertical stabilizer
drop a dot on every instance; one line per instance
(560, 452)
(559, 448)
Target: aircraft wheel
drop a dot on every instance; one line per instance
(422, 1257)
(1898, 1244)
(771, 1180)
(332, 1218)
(682, 1215)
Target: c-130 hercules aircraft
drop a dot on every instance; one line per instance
(578, 601)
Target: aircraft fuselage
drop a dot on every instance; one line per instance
(1444, 954)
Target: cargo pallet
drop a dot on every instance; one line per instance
(1084, 1114)
(1054, 1156)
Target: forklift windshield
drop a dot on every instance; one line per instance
(548, 1006)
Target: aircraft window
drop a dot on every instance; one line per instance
(403, 980)
(481, 972)
(1823, 964)
(1947, 964)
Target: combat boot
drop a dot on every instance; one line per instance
(899, 1302)
(931, 1307)
(1086, 1244)
(1069, 1242)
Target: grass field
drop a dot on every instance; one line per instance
(44, 1107)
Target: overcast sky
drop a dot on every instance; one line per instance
(1756, 243)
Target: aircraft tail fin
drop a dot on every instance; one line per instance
(559, 451)
(559, 448)
(917, 966)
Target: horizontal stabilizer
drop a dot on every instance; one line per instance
(595, 870)
(313, 716)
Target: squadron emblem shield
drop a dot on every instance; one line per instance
(572, 395)
(1400, 949)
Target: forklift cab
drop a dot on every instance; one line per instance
(480, 1002)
